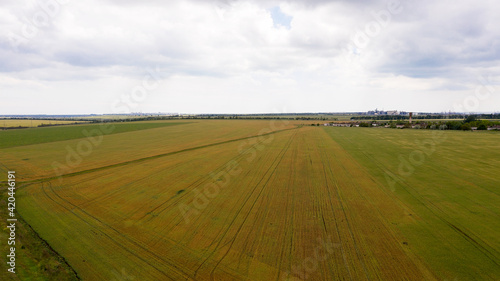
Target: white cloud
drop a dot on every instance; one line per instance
(235, 52)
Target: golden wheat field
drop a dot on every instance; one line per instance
(263, 200)
(7, 123)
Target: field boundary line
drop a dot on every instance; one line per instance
(147, 158)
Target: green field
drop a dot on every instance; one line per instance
(263, 200)
(451, 182)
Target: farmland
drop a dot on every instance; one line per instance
(262, 200)
(8, 123)
(15, 138)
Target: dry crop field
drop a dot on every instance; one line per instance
(265, 200)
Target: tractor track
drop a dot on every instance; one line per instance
(427, 203)
(148, 158)
(436, 212)
(133, 242)
(218, 245)
(349, 227)
(323, 156)
(253, 204)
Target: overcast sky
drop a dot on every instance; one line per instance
(223, 56)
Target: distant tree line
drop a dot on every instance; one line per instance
(466, 124)
(428, 116)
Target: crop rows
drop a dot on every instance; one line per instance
(303, 203)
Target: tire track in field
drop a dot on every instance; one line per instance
(287, 219)
(468, 237)
(94, 227)
(85, 180)
(323, 160)
(197, 183)
(218, 245)
(292, 219)
(129, 162)
(253, 204)
(384, 168)
(427, 205)
(173, 242)
(152, 157)
(397, 201)
(464, 235)
(83, 211)
(193, 185)
(259, 228)
(245, 197)
(349, 227)
(383, 223)
(133, 242)
(6, 169)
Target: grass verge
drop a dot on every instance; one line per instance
(35, 259)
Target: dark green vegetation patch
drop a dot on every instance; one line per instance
(35, 259)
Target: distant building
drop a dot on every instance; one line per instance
(376, 112)
(389, 112)
(337, 124)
